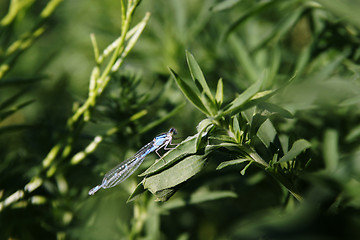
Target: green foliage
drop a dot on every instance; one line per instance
(265, 98)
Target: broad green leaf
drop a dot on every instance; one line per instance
(176, 174)
(219, 96)
(298, 147)
(183, 149)
(232, 162)
(256, 121)
(196, 198)
(189, 93)
(267, 132)
(197, 75)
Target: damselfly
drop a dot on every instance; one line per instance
(126, 168)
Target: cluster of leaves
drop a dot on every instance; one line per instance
(234, 127)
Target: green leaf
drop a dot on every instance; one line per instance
(285, 25)
(197, 75)
(5, 114)
(137, 192)
(298, 147)
(256, 121)
(238, 102)
(330, 149)
(183, 149)
(196, 198)
(11, 100)
(175, 175)
(273, 108)
(211, 107)
(244, 58)
(232, 162)
(201, 137)
(165, 194)
(9, 82)
(258, 8)
(246, 167)
(223, 5)
(189, 93)
(219, 96)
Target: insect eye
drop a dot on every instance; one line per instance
(173, 131)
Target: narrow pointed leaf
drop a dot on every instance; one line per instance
(223, 5)
(196, 198)
(232, 162)
(246, 167)
(219, 96)
(137, 192)
(298, 147)
(197, 74)
(273, 108)
(189, 93)
(244, 97)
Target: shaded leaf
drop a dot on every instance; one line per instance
(137, 192)
(330, 149)
(11, 100)
(246, 167)
(298, 147)
(196, 198)
(273, 108)
(232, 162)
(5, 114)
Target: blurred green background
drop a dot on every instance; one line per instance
(315, 41)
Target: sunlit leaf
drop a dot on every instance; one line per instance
(197, 74)
(183, 149)
(176, 174)
(219, 96)
(189, 93)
